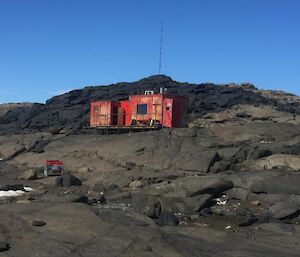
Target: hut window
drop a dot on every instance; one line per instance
(141, 109)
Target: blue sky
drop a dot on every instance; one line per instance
(48, 47)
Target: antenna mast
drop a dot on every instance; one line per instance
(161, 45)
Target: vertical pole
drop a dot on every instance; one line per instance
(161, 45)
(82, 114)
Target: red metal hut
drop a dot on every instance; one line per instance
(141, 110)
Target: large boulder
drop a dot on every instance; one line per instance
(112, 189)
(136, 184)
(184, 132)
(213, 188)
(247, 221)
(124, 218)
(196, 185)
(38, 223)
(78, 198)
(287, 161)
(147, 205)
(278, 228)
(238, 193)
(220, 166)
(115, 179)
(185, 205)
(199, 161)
(168, 219)
(284, 184)
(118, 196)
(84, 170)
(28, 175)
(38, 146)
(246, 179)
(267, 199)
(259, 153)
(283, 210)
(4, 246)
(67, 180)
(128, 165)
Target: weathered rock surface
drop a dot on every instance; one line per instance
(66, 110)
(136, 184)
(147, 205)
(38, 223)
(282, 210)
(67, 180)
(283, 184)
(168, 219)
(4, 246)
(4, 108)
(29, 175)
(226, 186)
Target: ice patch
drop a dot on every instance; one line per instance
(15, 193)
(222, 200)
(11, 193)
(28, 189)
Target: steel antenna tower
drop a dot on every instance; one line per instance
(161, 45)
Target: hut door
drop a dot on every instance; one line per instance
(167, 112)
(114, 115)
(156, 115)
(97, 118)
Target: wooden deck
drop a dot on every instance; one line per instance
(118, 129)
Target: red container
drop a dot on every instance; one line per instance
(125, 105)
(145, 108)
(53, 167)
(141, 110)
(104, 113)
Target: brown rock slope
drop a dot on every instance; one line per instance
(226, 186)
(70, 111)
(4, 108)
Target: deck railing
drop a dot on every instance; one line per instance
(120, 119)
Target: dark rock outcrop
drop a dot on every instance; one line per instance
(71, 110)
(284, 184)
(168, 219)
(38, 223)
(4, 246)
(67, 180)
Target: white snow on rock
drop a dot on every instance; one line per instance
(15, 193)
(11, 193)
(28, 189)
(222, 200)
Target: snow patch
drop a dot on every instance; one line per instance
(222, 201)
(15, 193)
(28, 189)
(11, 193)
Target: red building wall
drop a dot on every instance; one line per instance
(139, 110)
(154, 107)
(103, 113)
(125, 108)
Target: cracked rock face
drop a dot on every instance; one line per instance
(67, 112)
(225, 186)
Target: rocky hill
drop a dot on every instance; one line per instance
(4, 108)
(228, 185)
(71, 110)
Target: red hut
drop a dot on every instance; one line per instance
(141, 110)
